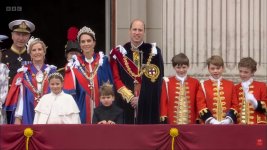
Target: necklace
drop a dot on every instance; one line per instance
(39, 77)
(143, 70)
(92, 75)
(39, 93)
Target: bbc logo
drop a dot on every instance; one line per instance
(13, 8)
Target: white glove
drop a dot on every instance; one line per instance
(251, 99)
(245, 86)
(227, 120)
(214, 121)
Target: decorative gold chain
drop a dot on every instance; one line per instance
(142, 71)
(91, 76)
(35, 90)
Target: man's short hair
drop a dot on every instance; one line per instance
(131, 25)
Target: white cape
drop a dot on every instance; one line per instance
(57, 109)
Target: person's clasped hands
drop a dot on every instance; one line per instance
(106, 122)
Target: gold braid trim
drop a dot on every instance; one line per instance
(60, 69)
(143, 70)
(203, 111)
(235, 111)
(263, 104)
(126, 93)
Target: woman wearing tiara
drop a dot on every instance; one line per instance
(29, 84)
(86, 73)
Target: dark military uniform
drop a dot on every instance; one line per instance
(14, 59)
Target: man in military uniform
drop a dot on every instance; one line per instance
(17, 55)
(137, 69)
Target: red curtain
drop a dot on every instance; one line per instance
(134, 137)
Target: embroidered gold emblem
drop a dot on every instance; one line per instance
(23, 25)
(152, 72)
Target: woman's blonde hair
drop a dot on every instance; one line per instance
(34, 41)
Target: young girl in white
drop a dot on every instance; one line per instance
(56, 107)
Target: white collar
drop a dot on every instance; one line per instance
(216, 80)
(245, 84)
(212, 79)
(89, 60)
(181, 78)
(53, 94)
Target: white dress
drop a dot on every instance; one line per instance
(57, 109)
(4, 71)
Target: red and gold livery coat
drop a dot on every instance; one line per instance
(178, 101)
(221, 100)
(247, 113)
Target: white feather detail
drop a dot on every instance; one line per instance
(154, 49)
(122, 50)
(101, 54)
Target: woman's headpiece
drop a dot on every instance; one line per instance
(55, 74)
(86, 30)
(31, 40)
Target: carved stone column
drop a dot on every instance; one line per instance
(201, 28)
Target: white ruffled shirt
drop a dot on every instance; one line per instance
(57, 109)
(245, 84)
(216, 80)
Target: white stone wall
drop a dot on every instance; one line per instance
(201, 28)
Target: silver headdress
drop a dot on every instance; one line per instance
(32, 39)
(55, 74)
(85, 30)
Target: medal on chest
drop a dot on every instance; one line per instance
(39, 77)
(19, 59)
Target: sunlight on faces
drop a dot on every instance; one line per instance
(245, 73)
(106, 100)
(55, 85)
(215, 71)
(87, 43)
(20, 39)
(137, 32)
(181, 70)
